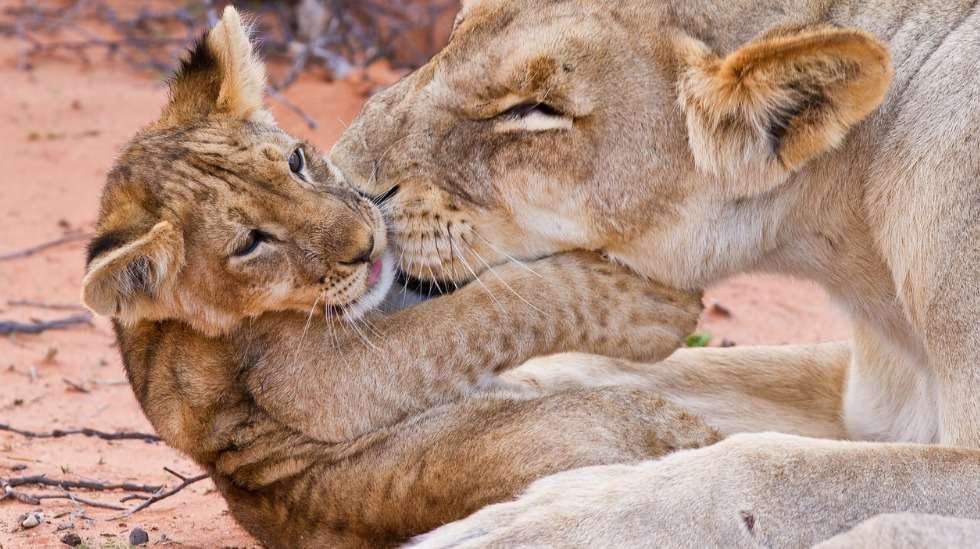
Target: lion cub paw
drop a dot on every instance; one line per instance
(626, 315)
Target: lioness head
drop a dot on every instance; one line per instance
(213, 214)
(548, 126)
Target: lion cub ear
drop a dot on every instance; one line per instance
(222, 75)
(765, 110)
(126, 273)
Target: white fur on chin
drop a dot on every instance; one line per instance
(373, 298)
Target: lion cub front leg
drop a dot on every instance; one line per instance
(566, 371)
(581, 302)
(445, 349)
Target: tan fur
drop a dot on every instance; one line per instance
(324, 425)
(692, 140)
(907, 531)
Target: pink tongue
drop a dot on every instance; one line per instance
(375, 274)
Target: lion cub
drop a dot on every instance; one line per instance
(241, 275)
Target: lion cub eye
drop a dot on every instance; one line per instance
(297, 161)
(251, 243)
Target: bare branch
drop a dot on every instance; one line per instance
(35, 499)
(310, 122)
(42, 480)
(157, 493)
(27, 252)
(58, 433)
(15, 327)
(75, 386)
(163, 495)
(336, 36)
(43, 305)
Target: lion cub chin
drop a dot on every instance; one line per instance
(240, 274)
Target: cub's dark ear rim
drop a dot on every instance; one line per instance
(195, 86)
(220, 75)
(127, 270)
(198, 60)
(105, 243)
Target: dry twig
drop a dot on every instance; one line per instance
(43, 305)
(75, 386)
(310, 122)
(65, 484)
(85, 431)
(27, 252)
(157, 493)
(161, 495)
(34, 499)
(15, 327)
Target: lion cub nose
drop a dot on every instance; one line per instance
(364, 256)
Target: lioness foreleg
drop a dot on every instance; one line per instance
(792, 389)
(749, 490)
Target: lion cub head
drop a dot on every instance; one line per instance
(213, 214)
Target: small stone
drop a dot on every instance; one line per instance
(138, 536)
(71, 539)
(727, 343)
(18, 467)
(50, 357)
(32, 519)
(717, 309)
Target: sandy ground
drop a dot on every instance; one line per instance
(60, 126)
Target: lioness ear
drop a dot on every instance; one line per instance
(124, 277)
(222, 75)
(777, 102)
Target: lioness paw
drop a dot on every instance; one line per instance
(557, 511)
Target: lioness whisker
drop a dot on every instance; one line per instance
(331, 326)
(452, 255)
(432, 274)
(504, 282)
(401, 260)
(366, 323)
(306, 328)
(350, 318)
(476, 278)
(509, 257)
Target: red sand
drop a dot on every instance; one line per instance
(60, 126)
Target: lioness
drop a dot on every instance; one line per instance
(226, 251)
(690, 140)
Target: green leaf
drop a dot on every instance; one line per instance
(698, 340)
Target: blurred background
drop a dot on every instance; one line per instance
(77, 79)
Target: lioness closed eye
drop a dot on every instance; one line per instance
(241, 274)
